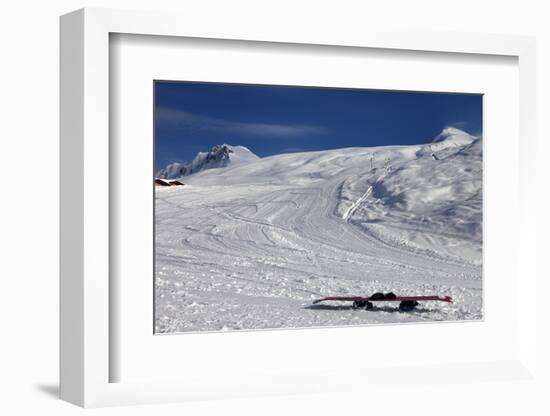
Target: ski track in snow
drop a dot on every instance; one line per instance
(349, 212)
(250, 247)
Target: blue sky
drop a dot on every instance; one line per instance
(192, 117)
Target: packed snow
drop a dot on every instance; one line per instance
(251, 244)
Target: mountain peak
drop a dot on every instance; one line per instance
(219, 156)
(219, 152)
(449, 141)
(454, 134)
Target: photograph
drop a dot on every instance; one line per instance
(288, 207)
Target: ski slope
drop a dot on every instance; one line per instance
(250, 246)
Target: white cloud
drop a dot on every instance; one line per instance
(200, 122)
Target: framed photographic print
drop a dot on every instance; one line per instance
(290, 212)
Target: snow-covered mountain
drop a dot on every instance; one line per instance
(219, 156)
(260, 240)
(172, 171)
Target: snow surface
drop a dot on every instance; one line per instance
(251, 245)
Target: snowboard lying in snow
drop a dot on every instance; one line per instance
(406, 303)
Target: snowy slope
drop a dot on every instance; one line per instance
(219, 156)
(428, 203)
(250, 246)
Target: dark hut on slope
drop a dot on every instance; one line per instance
(167, 182)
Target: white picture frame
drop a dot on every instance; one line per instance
(86, 301)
